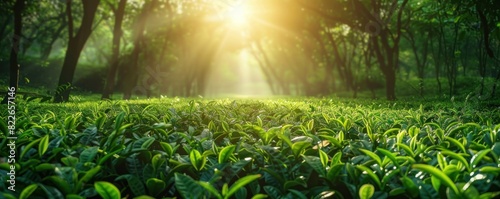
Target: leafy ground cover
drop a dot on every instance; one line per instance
(279, 148)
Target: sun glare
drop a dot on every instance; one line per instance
(237, 14)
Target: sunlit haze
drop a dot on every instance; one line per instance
(237, 14)
(207, 48)
(235, 72)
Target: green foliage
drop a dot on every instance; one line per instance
(366, 191)
(28, 191)
(259, 148)
(107, 190)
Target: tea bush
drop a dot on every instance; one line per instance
(277, 148)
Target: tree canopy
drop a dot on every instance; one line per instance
(281, 47)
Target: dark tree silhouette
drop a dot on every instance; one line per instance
(75, 46)
(117, 33)
(16, 39)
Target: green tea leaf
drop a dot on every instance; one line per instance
(225, 153)
(44, 167)
(389, 175)
(273, 192)
(438, 174)
(337, 158)
(427, 191)
(489, 195)
(441, 161)
(167, 148)
(188, 187)
(315, 163)
(100, 121)
(299, 147)
(241, 193)
(292, 183)
(74, 196)
(70, 161)
(397, 191)
(275, 175)
(478, 157)
(407, 149)
(490, 169)
(386, 133)
(143, 143)
(334, 173)
(144, 197)
(88, 154)
(225, 126)
(370, 173)
(373, 156)
(210, 189)
(468, 190)
(410, 186)
(323, 157)
(285, 139)
(108, 155)
(44, 145)
(157, 161)
(225, 189)
(119, 120)
(50, 192)
(451, 169)
(366, 191)
(241, 183)
(88, 175)
(155, 186)
(457, 143)
(3, 128)
(332, 140)
(28, 147)
(135, 184)
(259, 196)
(457, 157)
(107, 190)
(310, 125)
(197, 160)
(297, 194)
(61, 184)
(26, 193)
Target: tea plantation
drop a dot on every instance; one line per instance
(279, 148)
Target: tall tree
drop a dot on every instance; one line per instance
(382, 21)
(16, 39)
(5, 22)
(115, 48)
(132, 70)
(75, 46)
(385, 42)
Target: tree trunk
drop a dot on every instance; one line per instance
(281, 82)
(75, 46)
(133, 71)
(16, 39)
(437, 62)
(420, 58)
(387, 52)
(495, 83)
(45, 53)
(132, 74)
(386, 64)
(267, 73)
(390, 84)
(117, 33)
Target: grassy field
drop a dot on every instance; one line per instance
(253, 148)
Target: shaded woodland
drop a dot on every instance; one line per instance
(302, 47)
